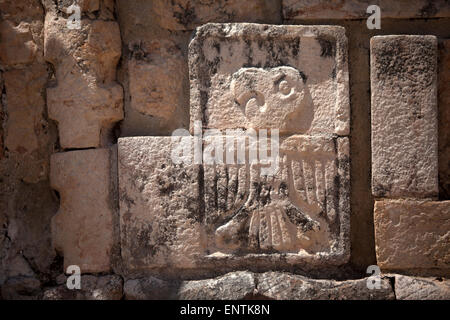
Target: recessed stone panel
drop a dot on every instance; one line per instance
(293, 78)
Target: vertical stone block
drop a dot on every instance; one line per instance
(412, 235)
(444, 119)
(188, 14)
(86, 101)
(157, 77)
(404, 116)
(82, 229)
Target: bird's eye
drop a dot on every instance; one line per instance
(284, 87)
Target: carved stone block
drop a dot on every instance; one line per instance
(293, 78)
(219, 215)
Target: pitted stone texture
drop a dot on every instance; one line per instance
(157, 76)
(444, 119)
(356, 9)
(412, 234)
(188, 14)
(21, 288)
(92, 288)
(86, 101)
(83, 227)
(93, 9)
(293, 78)
(200, 216)
(160, 214)
(413, 288)
(284, 286)
(232, 286)
(17, 45)
(26, 105)
(404, 116)
(150, 288)
(27, 133)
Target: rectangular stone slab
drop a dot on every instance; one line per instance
(412, 234)
(225, 216)
(293, 78)
(404, 116)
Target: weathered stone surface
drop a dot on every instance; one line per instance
(404, 116)
(232, 286)
(149, 288)
(412, 234)
(26, 105)
(27, 133)
(188, 14)
(246, 285)
(21, 288)
(92, 288)
(284, 286)
(17, 45)
(444, 120)
(83, 227)
(157, 77)
(241, 73)
(93, 9)
(413, 288)
(160, 211)
(187, 216)
(356, 9)
(86, 101)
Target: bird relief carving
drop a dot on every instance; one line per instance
(252, 210)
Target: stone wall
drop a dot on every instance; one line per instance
(86, 177)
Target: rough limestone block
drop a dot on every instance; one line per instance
(413, 288)
(86, 100)
(404, 116)
(247, 285)
(157, 76)
(285, 286)
(293, 78)
(92, 288)
(83, 227)
(188, 14)
(25, 108)
(231, 286)
(356, 9)
(412, 234)
(234, 216)
(17, 45)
